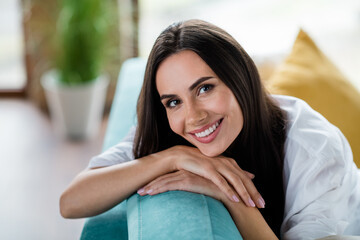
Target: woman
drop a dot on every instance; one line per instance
(206, 125)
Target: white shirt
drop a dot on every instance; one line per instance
(321, 181)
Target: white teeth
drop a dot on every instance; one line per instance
(208, 131)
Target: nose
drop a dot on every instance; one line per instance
(195, 114)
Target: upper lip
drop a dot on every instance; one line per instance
(203, 128)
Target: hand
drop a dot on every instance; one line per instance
(222, 171)
(185, 181)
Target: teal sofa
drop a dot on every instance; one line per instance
(170, 215)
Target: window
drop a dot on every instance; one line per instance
(266, 28)
(12, 67)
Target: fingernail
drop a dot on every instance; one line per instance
(261, 203)
(235, 198)
(141, 190)
(149, 191)
(251, 202)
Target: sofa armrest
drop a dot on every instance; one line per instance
(111, 225)
(179, 215)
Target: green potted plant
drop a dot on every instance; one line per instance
(76, 88)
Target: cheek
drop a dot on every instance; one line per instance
(220, 104)
(228, 106)
(176, 123)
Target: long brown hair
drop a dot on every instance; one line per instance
(259, 148)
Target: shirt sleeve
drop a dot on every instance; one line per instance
(120, 153)
(319, 180)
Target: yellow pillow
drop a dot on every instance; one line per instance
(308, 74)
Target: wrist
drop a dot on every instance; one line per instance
(166, 160)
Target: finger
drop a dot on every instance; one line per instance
(246, 189)
(241, 179)
(223, 185)
(255, 195)
(165, 176)
(234, 177)
(250, 175)
(182, 181)
(243, 193)
(207, 170)
(168, 186)
(191, 183)
(162, 180)
(246, 178)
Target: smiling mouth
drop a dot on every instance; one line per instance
(208, 131)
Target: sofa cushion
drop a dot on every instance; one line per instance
(308, 74)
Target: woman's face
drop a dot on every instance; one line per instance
(199, 106)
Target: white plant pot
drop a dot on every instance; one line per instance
(76, 111)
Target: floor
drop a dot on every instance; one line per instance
(35, 167)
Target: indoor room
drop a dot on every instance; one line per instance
(71, 73)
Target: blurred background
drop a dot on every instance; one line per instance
(37, 163)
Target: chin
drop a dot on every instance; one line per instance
(211, 153)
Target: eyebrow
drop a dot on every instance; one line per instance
(198, 82)
(192, 87)
(164, 96)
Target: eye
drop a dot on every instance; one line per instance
(172, 103)
(205, 88)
